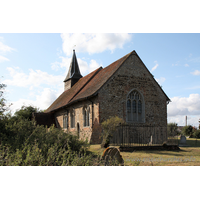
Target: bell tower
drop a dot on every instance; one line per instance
(73, 74)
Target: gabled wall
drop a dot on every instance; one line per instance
(133, 74)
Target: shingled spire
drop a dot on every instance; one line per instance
(73, 74)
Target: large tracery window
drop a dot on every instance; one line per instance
(135, 107)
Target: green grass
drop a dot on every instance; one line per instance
(186, 156)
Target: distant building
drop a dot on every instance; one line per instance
(125, 89)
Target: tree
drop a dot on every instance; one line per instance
(199, 123)
(26, 112)
(196, 133)
(109, 127)
(187, 130)
(3, 106)
(172, 129)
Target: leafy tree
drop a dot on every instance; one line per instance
(3, 106)
(172, 129)
(199, 123)
(187, 130)
(109, 127)
(26, 112)
(196, 133)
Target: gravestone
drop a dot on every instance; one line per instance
(183, 141)
(151, 140)
(111, 153)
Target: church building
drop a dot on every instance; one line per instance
(125, 89)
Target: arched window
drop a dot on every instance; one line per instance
(135, 107)
(129, 109)
(65, 121)
(72, 116)
(86, 116)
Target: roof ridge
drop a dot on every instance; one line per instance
(72, 92)
(97, 71)
(120, 64)
(153, 77)
(120, 60)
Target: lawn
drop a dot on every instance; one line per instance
(186, 156)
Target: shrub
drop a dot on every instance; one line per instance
(187, 130)
(109, 127)
(172, 129)
(25, 143)
(196, 133)
(26, 112)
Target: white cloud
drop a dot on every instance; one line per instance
(160, 80)
(196, 73)
(182, 106)
(43, 101)
(93, 65)
(186, 65)
(2, 59)
(83, 65)
(4, 48)
(155, 67)
(93, 43)
(90, 43)
(33, 79)
(180, 120)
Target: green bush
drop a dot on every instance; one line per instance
(26, 112)
(109, 127)
(23, 143)
(44, 147)
(172, 129)
(196, 133)
(187, 130)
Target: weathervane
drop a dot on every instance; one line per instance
(74, 47)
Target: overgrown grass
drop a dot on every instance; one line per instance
(186, 156)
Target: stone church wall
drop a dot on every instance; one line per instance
(85, 132)
(133, 75)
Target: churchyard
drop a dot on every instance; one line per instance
(186, 156)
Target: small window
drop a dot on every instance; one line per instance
(86, 116)
(65, 121)
(72, 119)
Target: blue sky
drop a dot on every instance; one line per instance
(34, 65)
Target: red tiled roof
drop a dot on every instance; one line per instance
(88, 85)
(97, 82)
(67, 95)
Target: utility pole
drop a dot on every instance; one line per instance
(186, 120)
